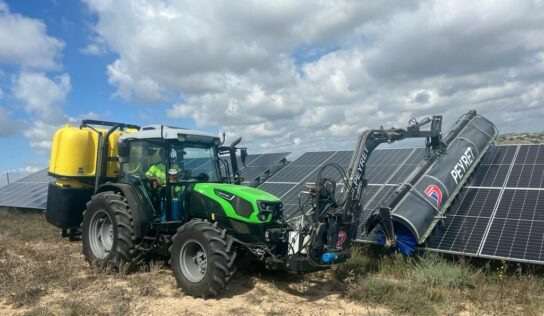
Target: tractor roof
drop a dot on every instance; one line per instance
(168, 132)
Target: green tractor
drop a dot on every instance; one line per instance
(170, 193)
(185, 210)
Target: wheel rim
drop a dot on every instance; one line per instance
(101, 234)
(193, 261)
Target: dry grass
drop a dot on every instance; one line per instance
(44, 274)
(434, 285)
(522, 138)
(40, 272)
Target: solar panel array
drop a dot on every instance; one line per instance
(28, 192)
(499, 214)
(261, 165)
(384, 167)
(258, 167)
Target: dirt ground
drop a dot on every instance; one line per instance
(44, 274)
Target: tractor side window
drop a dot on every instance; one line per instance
(134, 166)
(146, 167)
(145, 160)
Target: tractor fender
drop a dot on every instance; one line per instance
(137, 206)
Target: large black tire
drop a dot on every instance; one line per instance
(108, 231)
(216, 249)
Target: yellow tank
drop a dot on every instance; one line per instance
(74, 152)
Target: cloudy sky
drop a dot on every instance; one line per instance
(285, 75)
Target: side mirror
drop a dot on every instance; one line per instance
(236, 142)
(123, 148)
(243, 155)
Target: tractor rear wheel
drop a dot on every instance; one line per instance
(202, 258)
(108, 232)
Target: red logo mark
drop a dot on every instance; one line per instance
(341, 238)
(434, 193)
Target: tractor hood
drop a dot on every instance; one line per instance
(242, 203)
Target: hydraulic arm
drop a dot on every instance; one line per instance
(325, 233)
(342, 219)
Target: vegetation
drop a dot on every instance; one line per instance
(37, 265)
(43, 274)
(431, 284)
(522, 138)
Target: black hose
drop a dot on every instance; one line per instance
(344, 180)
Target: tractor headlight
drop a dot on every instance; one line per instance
(270, 208)
(263, 216)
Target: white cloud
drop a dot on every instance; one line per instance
(86, 116)
(26, 169)
(3, 7)
(7, 126)
(310, 75)
(43, 98)
(180, 111)
(25, 43)
(96, 46)
(40, 135)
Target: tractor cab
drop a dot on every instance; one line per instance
(165, 163)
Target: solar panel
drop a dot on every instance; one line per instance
(10, 177)
(258, 166)
(263, 165)
(464, 226)
(372, 197)
(500, 214)
(470, 220)
(277, 189)
(28, 192)
(404, 171)
(288, 183)
(517, 230)
(494, 167)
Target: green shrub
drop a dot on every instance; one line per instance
(359, 264)
(401, 297)
(435, 271)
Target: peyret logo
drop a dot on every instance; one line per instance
(341, 238)
(434, 193)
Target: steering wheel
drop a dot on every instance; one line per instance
(203, 177)
(137, 168)
(149, 182)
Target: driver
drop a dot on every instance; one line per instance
(157, 171)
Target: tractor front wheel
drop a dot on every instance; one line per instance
(202, 258)
(108, 232)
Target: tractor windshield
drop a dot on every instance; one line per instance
(195, 161)
(157, 160)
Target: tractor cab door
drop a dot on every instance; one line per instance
(188, 164)
(146, 169)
